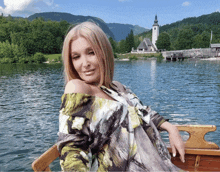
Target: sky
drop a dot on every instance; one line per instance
(135, 12)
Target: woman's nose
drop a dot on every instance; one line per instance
(86, 61)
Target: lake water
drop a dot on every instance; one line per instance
(185, 92)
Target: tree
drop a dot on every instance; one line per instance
(184, 39)
(201, 40)
(197, 41)
(206, 39)
(163, 41)
(136, 42)
(113, 44)
(129, 41)
(122, 46)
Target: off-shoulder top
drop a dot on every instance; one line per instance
(97, 134)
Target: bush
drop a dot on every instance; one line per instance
(115, 56)
(58, 59)
(6, 60)
(133, 58)
(39, 58)
(160, 56)
(23, 60)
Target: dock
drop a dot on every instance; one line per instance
(191, 53)
(175, 56)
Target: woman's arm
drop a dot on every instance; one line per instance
(174, 136)
(74, 158)
(73, 142)
(176, 141)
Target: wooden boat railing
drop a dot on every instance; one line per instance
(200, 155)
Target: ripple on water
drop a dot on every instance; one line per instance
(30, 102)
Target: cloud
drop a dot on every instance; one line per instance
(26, 7)
(187, 3)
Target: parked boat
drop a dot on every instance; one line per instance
(200, 155)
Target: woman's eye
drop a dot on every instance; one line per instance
(75, 57)
(91, 52)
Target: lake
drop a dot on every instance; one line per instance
(186, 92)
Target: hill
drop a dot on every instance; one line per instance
(72, 19)
(115, 30)
(208, 19)
(192, 32)
(203, 21)
(120, 31)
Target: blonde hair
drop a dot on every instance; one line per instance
(101, 46)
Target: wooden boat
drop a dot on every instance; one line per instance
(200, 155)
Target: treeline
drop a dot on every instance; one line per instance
(186, 37)
(24, 41)
(125, 46)
(208, 19)
(194, 32)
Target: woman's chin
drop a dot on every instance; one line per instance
(91, 82)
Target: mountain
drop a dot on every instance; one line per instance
(120, 31)
(72, 19)
(115, 30)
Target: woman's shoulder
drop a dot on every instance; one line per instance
(119, 87)
(77, 86)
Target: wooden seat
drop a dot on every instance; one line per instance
(197, 151)
(43, 162)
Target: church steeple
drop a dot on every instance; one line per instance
(155, 32)
(155, 21)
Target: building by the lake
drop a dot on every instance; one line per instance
(146, 45)
(216, 48)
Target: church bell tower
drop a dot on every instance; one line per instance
(155, 32)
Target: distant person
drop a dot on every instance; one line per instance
(103, 126)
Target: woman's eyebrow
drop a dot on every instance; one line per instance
(73, 53)
(89, 48)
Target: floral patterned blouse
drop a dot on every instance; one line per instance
(97, 134)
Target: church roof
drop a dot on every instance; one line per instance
(148, 41)
(145, 43)
(142, 45)
(215, 45)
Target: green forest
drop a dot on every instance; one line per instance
(193, 32)
(24, 41)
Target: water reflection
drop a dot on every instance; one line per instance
(153, 68)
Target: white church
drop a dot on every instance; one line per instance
(146, 46)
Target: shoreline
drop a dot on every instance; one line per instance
(211, 58)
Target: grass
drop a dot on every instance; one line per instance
(57, 57)
(53, 57)
(138, 56)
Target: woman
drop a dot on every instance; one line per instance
(103, 125)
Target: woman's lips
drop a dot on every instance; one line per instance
(89, 72)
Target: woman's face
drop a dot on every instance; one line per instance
(85, 61)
